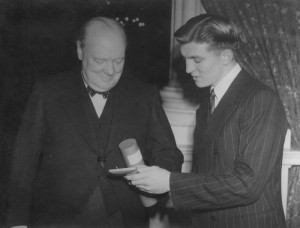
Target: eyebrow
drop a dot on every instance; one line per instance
(194, 57)
(97, 58)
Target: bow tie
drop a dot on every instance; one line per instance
(92, 92)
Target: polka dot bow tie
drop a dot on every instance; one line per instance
(92, 92)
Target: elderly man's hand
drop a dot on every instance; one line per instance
(152, 179)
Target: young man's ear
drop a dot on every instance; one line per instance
(227, 56)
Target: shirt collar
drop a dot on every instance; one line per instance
(221, 88)
(86, 85)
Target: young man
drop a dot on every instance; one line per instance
(240, 132)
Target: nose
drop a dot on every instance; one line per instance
(109, 68)
(189, 66)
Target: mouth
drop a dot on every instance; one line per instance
(107, 77)
(195, 77)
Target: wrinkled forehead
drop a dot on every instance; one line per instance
(105, 30)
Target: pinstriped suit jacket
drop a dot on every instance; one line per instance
(236, 176)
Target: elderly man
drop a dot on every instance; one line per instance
(70, 134)
(240, 131)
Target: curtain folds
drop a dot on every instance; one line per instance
(270, 50)
(293, 207)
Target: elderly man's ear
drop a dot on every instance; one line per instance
(79, 49)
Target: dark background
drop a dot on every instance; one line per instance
(37, 40)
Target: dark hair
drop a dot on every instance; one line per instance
(219, 32)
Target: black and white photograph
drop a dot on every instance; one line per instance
(149, 113)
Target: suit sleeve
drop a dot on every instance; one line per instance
(25, 160)
(160, 139)
(260, 137)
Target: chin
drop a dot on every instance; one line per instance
(109, 86)
(201, 85)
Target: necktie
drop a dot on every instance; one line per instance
(212, 101)
(92, 92)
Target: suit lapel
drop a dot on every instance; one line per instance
(202, 117)
(226, 106)
(80, 109)
(123, 106)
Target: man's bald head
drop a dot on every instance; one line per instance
(101, 26)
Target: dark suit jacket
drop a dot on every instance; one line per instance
(236, 174)
(54, 166)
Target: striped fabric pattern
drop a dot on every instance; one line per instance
(236, 176)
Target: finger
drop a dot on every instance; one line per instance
(141, 169)
(130, 177)
(140, 182)
(138, 176)
(142, 166)
(143, 172)
(143, 188)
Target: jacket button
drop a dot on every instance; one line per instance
(101, 159)
(215, 151)
(99, 125)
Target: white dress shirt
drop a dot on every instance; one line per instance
(223, 85)
(98, 102)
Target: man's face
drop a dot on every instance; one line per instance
(203, 63)
(103, 57)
